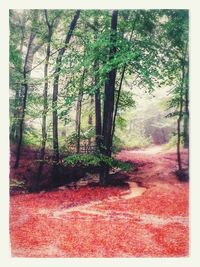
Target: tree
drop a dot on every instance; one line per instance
(55, 93)
(186, 112)
(98, 124)
(109, 99)
(78, 112)
(176, 30)
(31, 50)
(17, 36)
(50, 25)
(90, 119)
(121, 82)
(112, 55)
(183, 88)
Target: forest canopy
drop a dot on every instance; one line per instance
(97, 81)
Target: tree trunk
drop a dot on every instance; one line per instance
(98, 123)
(35, 186)
(183, 88)
(98, 128)
(26, 76)
(78, 121)
(109, 102)
(78, 113)
(186, 114)
(55, 96)
(120, 84)
(14, 131)
(179, 122)
(117, 101)
(90, 119)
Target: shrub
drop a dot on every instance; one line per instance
(95, 160)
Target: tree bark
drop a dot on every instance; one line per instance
(98, 128)
(183, 87)
(120, 84)
(78, 113)
(98, 124)
(90, 119)
(179, 122)
(26, 76)
(109, 101)
(186, 114)
(14, 131)
(78, 121)
(55, 95)
(117, 101)
(35, 186)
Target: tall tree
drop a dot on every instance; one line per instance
(31, 50)
(98, 126)
(17, 36)
(50, 26)
(55, 93)
(120, 84)
(78, 112)
(98, 123)
(109, 99)
(177, 28)
(186, 112)
(183, 88)
(90, 119)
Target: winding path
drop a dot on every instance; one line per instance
(149, 218)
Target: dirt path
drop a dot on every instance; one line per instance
(149, 218)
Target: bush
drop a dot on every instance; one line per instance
(95, 160)
(173, 142)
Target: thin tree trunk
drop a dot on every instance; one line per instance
(109, 101)
(14, 131)
(90, 119)
(186, 115)
(182, 89)
(26, 75)
(98, 123)
(179, 122)
(117, 101)
(55, 95)
(98, 127)
(45, 106)
(120, 84)
(78, 121)
(78, 113)
(178, 143)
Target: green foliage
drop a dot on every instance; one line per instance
(177, 27)
(136, 140)
(118, 144)
(173, 142)
(31, 137)
(126, 100)
(85, 134)
(121, 122)
(15, 57)
(95, 160)
(149, 45)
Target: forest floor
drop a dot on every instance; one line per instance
(146, 218)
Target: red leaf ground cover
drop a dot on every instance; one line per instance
(107, 222)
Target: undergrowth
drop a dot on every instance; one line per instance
(95, 160)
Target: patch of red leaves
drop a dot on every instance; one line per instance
(172, 237)
(156, 200)
(99, 222)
